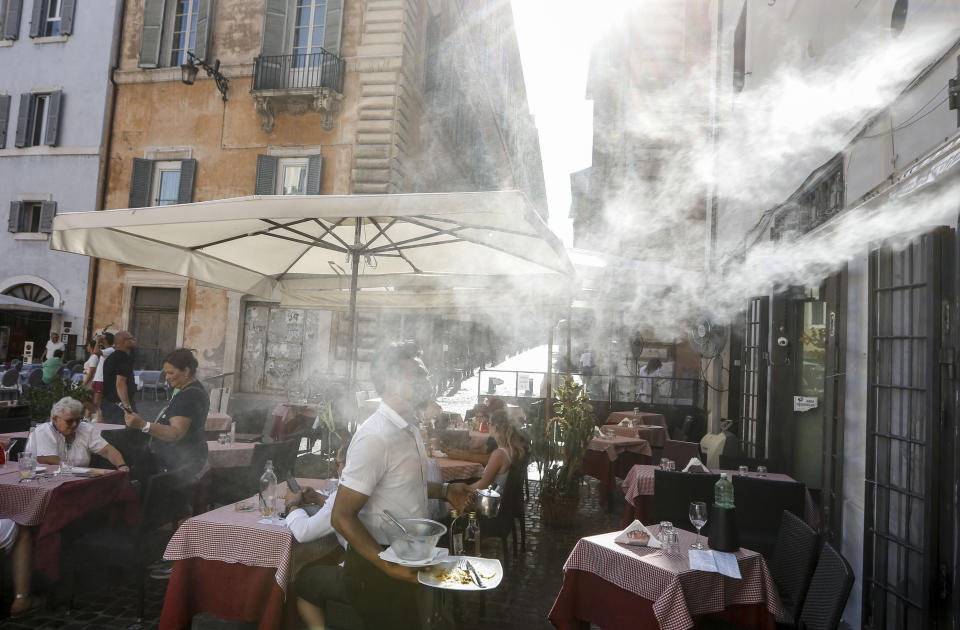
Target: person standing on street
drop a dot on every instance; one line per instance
(386, 469)
(52, 345)
(105, 343)
(118, 383)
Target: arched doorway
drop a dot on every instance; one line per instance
(19, 326)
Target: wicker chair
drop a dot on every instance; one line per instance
(829, 589)
(794, 557)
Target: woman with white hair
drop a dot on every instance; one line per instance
(65, 436)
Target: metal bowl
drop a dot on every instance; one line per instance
(419, 541)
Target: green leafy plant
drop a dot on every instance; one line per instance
(41, 399)
(560, 443)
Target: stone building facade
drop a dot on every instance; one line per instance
(324, 97)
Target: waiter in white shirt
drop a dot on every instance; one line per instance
(387, 469)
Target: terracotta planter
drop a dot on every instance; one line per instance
(557, 510)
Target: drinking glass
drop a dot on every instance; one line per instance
(671, 542)
(222, 439)
(63, 451)
(668, 464)
(698, 518)
(611, 434)
(761, 471)
(26, 467)
(636, 411)
(742, 471)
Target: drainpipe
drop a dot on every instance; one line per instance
(120, 14)
(716, 375)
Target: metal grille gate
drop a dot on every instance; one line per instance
(753, 406)
(900, 516)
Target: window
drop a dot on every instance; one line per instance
(183, 30)
(288, 176)
(51, 18)
(161, 183)
(31, 216)
(4, 118)
(30, 293)
(308, 30)
(171, 28)
(38, 122)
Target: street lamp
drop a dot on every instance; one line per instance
(188, 73)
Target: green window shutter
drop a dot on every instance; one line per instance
(23, 120)
(188, 170)
(13, 222)
(37, 18)
(333, 26)
(11, 19)
(67, 10)
(204, 23)
(274, 28)
(314, 168)
(140, 183)
(151, 34)
(266, 182)
(4, 118)
(54, 107)
(47, 210)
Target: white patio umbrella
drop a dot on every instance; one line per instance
(431, 246)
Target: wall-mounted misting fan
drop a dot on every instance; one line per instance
(707, 338)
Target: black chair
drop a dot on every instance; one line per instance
(16, 364)
(231, 485)
(35, 378)
(680, 452)
(673, 493)
(512, 507)
(794, 557)
(10, 384)
(734, 462)
(165, 502)
(829, 588)
(760, 503)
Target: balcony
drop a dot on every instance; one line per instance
(298, 84)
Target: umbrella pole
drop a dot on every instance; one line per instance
(354, 318)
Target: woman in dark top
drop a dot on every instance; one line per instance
(177, 437)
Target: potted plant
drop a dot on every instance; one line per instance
(41, 399)
(558, 449)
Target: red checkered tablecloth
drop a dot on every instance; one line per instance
(25, 503)
(458, 468)
(618, 444)
(639, 481)
(236, 455)
(226, 535)
(217, 421)
(678, 593)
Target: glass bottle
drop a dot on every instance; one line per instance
(457, 526)
(268, 490)
(471, 536)
(723, 492)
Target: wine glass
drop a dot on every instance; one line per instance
(698, 518)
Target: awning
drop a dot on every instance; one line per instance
(9, 303)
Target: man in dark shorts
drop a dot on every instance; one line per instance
(118, 382)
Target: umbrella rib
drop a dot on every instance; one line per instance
(380, 231)
(317, 241)
(246, 234)
(329, 230)
(417, 239)
(468, 226)
(319, 244)
(389, 240)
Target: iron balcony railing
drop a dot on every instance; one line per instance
(289, 72)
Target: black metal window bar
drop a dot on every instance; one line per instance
(289, 72)
(753, 404)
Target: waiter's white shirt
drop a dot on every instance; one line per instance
(387, 462)
(50, 443)
(53, 346)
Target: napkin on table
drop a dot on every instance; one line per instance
(635, 526)
(597, 432)
(625, 422)
(694, 462)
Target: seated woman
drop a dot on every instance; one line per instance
(177, 435)
(65, 436)
(480, 454)
(511, 447)
(316, 584)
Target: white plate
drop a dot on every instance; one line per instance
(439, 555)
(485, 567)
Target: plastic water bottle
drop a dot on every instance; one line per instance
(268, 491)
(723, 492)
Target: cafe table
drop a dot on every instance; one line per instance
(229, 564)
(638, 488)
(607, 458)
(615, 586)
(451, 469)
(217, 421)
(653, 433)
(50, 503)
(644, 417)
(289, 419)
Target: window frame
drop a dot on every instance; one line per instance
(293, 27)
(51, 21)
(168, 35)
(39, 113)
(156, 181)
(282, 165)
(33, 209)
